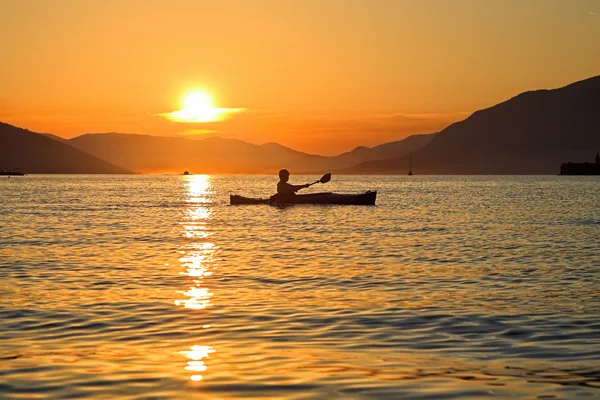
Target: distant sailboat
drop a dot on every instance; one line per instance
(410, 165)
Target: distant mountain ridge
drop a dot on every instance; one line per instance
(37, 153)
(146, 153)
(531, 133)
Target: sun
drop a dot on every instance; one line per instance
(197, 102)
(198, 106)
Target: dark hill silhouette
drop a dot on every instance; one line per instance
(383, 151)
(36, 153)
(145, 153)
(532, 133)
(51, 136)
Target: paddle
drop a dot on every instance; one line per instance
(324, 179)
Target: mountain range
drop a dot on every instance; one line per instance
(145, 153)
(532, 133)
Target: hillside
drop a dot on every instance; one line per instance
(383, 151)
(36, 153)
(532, 133)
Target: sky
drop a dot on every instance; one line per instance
(321, 76)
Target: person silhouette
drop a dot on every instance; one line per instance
(283, 187)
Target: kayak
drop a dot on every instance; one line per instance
(363, 199)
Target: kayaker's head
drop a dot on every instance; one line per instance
(284, 175)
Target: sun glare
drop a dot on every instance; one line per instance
(199, 107)
(197, 102)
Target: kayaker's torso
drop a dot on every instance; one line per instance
(286, 188)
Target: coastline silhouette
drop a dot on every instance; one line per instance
(585, 168)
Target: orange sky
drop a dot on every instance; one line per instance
(320, 76)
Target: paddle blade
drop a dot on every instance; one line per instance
(325, 178)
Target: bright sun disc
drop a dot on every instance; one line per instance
(197, 103)
(199, 107)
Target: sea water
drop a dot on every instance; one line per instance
(155, 287)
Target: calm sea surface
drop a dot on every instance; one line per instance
(154, 287)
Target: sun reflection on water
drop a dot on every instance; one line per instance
(199, 188)
(196, 354)
(198, 257)
(196, 261)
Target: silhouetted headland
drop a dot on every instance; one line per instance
(585, 168)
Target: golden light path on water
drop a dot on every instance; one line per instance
(198, 255)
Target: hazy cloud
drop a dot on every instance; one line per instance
(209, 115)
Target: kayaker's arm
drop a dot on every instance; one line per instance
(298, 187)
(286, 188)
